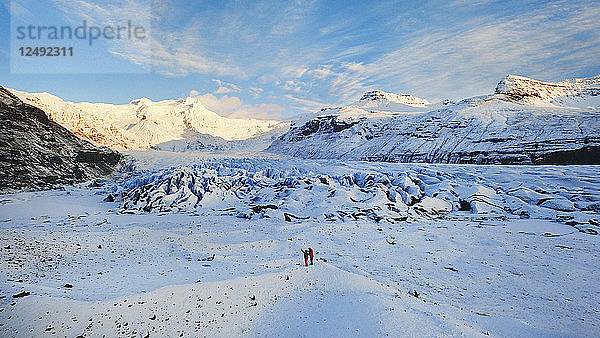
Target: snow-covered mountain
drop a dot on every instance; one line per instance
(142, 124)
(531, 91)
(524, 121)
(37, 153)
(380, 100)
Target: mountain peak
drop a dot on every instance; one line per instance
(379, 97)
(191, 100)
(521, 88)
(141, 101)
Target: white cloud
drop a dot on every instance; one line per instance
(355, 52)
(335, 27)
(177, 58)
(321, 73)
(17, 10)
(264, 111)
(226, 87)
(234, 107)
(293, 16)
(255, 91)
(173, 54)
(293, 86)
(469, 2)
(223, 105)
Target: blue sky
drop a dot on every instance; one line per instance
(277, 59)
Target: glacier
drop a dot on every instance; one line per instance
(203, 243)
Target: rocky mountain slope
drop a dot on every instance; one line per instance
(142, 124)
(532, 91)
(524, 122)
(36, 153)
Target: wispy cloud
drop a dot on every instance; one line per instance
(304, 104)
(255, 91)
(293, 71)
(15, 9)
(294, 16)
(469, 2)
(303, 54)
(171, 53)
(226, 87)
(472, 57)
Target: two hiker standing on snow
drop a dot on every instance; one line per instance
(308, 254)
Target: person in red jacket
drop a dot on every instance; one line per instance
(311, 254)
(306, 255)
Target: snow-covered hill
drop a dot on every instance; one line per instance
(525, 121)
(37, 153)
(143, 124)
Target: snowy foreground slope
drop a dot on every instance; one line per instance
(142, 124)
(201, 244)
(524, 122)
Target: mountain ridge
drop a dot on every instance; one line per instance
(142, 123)
(408, 128)
(524, 121)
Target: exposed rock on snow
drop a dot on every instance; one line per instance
(36, 153)
(561, 126)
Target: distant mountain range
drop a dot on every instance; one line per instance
(183, 124)
(524, 121)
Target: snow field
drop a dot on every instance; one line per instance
(518, 268)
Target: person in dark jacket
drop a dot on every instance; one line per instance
(306, 255)
(311, 254)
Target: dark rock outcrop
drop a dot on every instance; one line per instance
(36, 153)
